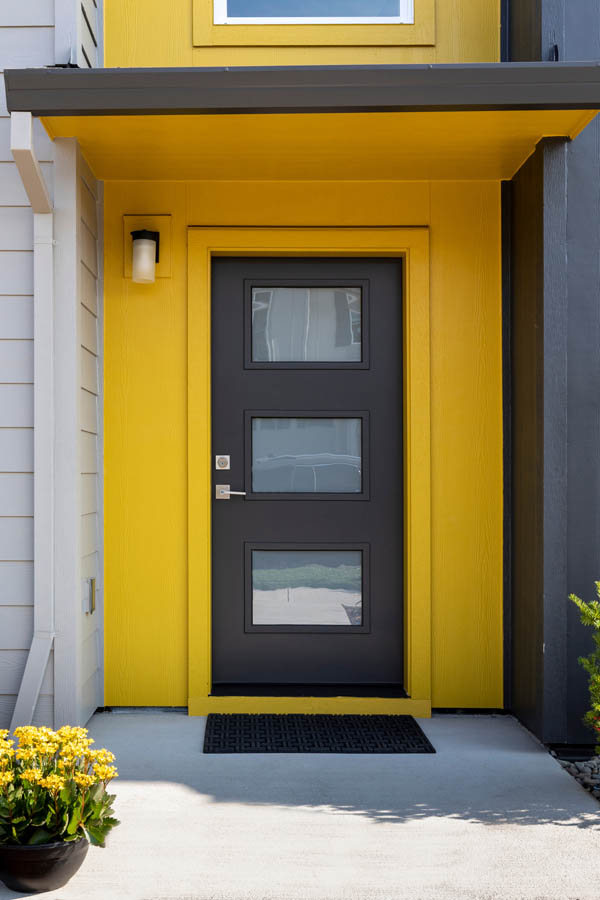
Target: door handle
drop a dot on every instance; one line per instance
(222, 492)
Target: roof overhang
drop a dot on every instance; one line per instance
(345, 122)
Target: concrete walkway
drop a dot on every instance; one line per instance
(491, 815)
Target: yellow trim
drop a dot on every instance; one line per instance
(412, 244)
(206, 33)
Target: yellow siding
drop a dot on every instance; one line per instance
(155, 33)
(146, 424)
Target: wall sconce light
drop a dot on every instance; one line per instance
(145, 255)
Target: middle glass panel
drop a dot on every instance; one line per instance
(306, 455)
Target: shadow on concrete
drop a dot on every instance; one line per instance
(487, 770)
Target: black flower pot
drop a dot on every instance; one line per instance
(44, 867)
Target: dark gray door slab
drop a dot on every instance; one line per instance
(307, 405)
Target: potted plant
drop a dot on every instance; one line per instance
(53, 802)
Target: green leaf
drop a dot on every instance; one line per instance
(96, 835)
(40, 836)
(74, 821)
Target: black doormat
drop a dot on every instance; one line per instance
(300, 733)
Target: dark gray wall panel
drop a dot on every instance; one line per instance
(527, 440)
(536, 25)
(582, 41)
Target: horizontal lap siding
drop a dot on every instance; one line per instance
(90, 675)
(26, 39)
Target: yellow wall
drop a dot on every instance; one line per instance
(146, 427)
(159, 33)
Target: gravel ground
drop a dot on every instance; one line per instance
(587, 773)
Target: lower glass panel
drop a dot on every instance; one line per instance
(307, 587)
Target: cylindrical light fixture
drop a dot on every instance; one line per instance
(145, 255)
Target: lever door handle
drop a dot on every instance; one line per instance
(223, 492)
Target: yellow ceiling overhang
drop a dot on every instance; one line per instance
(449, 145)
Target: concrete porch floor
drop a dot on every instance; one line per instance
(491, 815)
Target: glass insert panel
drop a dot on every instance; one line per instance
(306, 456)
(307, 587)
(311, 8)
(306, 324)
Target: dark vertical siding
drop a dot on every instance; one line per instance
(582, 41)
(525, 30)
(570, 516)
(526, 353)
(539, 439)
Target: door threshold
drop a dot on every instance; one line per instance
(307, 690)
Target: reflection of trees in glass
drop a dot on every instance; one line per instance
(341, 578)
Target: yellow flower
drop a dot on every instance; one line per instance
(53, 783)
(83, 780)
(105, 773)
(33, 775)
(102, 757)
(26, 754)
(5, 758)
(6, 777)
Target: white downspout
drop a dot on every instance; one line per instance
(21, 145)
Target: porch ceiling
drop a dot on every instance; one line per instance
(317, 146)
(334, 122)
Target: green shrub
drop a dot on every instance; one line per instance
(590, 615)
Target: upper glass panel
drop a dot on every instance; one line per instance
(245, 12)
(301, 9)
(306, 456)
(306, 324)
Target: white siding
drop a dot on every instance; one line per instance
(79, 634)
(78, 37)
(91, 674)
(26, 39)
(40, 33)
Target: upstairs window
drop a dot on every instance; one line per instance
(313, 12)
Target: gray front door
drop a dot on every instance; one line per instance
(307, 406)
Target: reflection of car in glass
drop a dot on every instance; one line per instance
(307, 473)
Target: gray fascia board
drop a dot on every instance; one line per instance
(304, 89)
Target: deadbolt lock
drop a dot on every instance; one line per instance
(222, 462)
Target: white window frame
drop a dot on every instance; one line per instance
(406, 16)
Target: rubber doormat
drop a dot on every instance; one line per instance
(247, 733)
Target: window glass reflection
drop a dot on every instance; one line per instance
(306, 324)
(306, 455)
(311, 8)
(307, 587)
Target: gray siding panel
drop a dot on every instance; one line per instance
(16, 584)
(3, 109)
(43, 715)
(12, 192)
(26, 39)
(16, 230)
(12, 666)
(16, 539)
(16, 361)
(16, 272)
(16, 317)
(16, 494)
(16, 627)
(16, 450)
(27, 12)
(16, 406)
(23, 48)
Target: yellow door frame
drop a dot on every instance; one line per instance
(412, 245)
